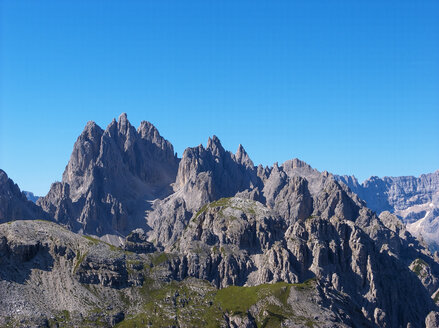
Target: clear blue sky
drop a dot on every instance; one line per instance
(351, 87)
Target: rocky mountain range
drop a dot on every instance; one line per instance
(137, 237)
(414, 200)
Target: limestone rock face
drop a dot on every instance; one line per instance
(14, 204)
(111, 177)
(288, 196)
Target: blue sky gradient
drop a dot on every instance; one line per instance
(351, 87)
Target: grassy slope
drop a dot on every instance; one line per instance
(194, 303)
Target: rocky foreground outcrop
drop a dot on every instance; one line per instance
(52, 277)
(240, 242)
(236, 265)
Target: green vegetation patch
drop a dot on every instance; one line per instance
(61, 318)
(135, 266)
(93, 241)
(238, 300)
(196, 303)
(307, 284)
(221, 202)
(224, 202)
(159, 258)
(200, 211)
(79, 259)
(419, 264)
(174, 303)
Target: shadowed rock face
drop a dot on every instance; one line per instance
(111, 177)
(14, 204)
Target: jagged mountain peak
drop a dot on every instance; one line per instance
(124, 126)
(242, 157)
(147, 130)
(214, 145)
(91, 131)
(296, 163)
(123, 117)
(112, 174)
(120, 129)
(112, 123)
(91, 126)
(240, 149)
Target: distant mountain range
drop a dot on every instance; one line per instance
(135, 236)
(414, 200)
(30, 196)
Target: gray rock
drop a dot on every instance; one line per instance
(432, 320)
(241, 242)
(112, 177)
(204, 175)
(51, 276)
(137, 242)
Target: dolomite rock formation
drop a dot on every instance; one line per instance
(300, 240)
(50, 276)
(240, 242)
(111, 177)
(204, 175)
